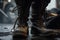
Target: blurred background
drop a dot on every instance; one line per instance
(8, 17)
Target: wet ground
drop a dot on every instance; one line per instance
(5, 34)
(8, 37)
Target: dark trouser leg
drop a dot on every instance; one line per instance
(38, 10)
(23, 11)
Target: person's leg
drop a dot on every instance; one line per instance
(23, 13)
(38, 10)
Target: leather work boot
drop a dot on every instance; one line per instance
(21, 30)
(38, 10)
(36, 20)
(23, 13)
(23, 26)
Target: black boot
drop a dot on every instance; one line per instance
(35, 19)
(38, 10)
(23, 13)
